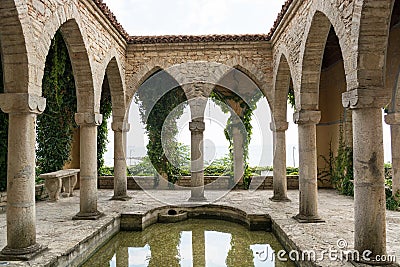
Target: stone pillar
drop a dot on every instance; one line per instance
(238, 153)
(120, 180)
(394, 121)
(88, 123)
(21, 213)
(308, 186)
(279, 165)
(197, 128)
(199, 247)
(369, 181)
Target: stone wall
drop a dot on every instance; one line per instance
(211, 182)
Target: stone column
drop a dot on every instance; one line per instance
(369, 181)
(308, 186)
(197, 128)
(238, 153)
(21, 213)
(120, 180)
(88, 123)
(394, 121)
(279, 165)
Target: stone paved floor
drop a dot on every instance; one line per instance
(56, 229)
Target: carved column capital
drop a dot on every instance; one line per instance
(88, 119)
(365, 98)
(120, 126)
(279, 126)
(307, 117)
(22, 103)
(392, 119)
(197, 126)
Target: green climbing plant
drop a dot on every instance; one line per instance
(154, 113)
(102, 130)
(3, 138)
(245, 128)
(55, 127)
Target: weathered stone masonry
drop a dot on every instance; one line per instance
(293, 54)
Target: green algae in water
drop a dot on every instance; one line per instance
(191, 243)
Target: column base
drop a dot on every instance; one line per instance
(280, 199)
(308, 219)
(197, 199)
(88, 216)
(21, 254)
(121, 198)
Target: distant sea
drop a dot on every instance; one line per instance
(258, 155)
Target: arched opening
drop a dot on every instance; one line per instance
(161, 102)
(391, 129)
(241, 99)
(56, 126)
(334, 131)
(104, 133)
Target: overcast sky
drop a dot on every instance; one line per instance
(194, 17)
(199, 17)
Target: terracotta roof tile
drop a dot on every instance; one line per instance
(191, 38)
(198, 38)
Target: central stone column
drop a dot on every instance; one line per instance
(394, 121)
(238, 153)
(21, 211)
(279, 165)
(88, 123)
(369, 180)
(120, 181)
(197, 128)
(308, 186)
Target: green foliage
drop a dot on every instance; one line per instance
(143, 168)
(154, 113)
(291, 97)
(3, 138)
(292, 171)
(219, 167)
(102, 130)
(245, 117)
(341, 167)
(106, 171)
(56, 125)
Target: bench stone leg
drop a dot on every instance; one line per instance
(69, 184)
(53, 187)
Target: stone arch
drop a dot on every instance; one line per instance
(392, 68)
(283, 76)
(142, 74)
(370, 28)
(117, 91)
(14, 47)
(313, 51)
(67, 19)
(254, 73)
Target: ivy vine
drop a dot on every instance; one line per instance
(154, 112)
(245, 117)
(3, 138)
(55, 127)
(102, 130)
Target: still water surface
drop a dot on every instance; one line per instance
(191, 243)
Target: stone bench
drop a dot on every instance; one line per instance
(63, 180)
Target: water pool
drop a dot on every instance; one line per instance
(191, 243)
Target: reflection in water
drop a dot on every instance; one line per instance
(185, 253)
(191, 243)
